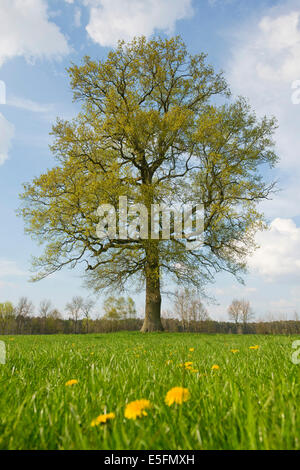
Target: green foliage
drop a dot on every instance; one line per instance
(251, 402)
(119, 308)
(150, 129)
(6, 309)
(7, 314)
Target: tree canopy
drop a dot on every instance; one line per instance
(156, 126)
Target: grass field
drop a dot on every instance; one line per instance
(251, 402)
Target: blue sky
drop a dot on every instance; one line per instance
(256, 43)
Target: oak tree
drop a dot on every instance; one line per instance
(156, 126)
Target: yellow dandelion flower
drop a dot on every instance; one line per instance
(234, 351)
(102, 419)
(254, 347)
(192, 349)
(136, 409)
(177, 395)
(187, 365)
(215, 367)
(71, 382)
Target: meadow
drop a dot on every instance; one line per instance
(242, 392)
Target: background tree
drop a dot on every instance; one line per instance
(55, 314)
(44, 311)
(240, 311)
(197, 311)
(44, 308)
(130, 308)
(188, 307)
(87, 308)
(151, 130)
(247, 313)
(74, 309)
(181, 306)
(23, 310)
(53, 321)
(234, 311)
(119, 308)
(114, 308)
(6, 316)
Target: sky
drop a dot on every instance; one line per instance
(256, 44)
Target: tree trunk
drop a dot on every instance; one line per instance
(152, 320)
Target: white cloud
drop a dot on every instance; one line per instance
(283, 305)
(77, 17)
(10, 268)
(26, 31)
(265, 62)
(281, 36)
(111, 20)
(29, 105)
(6, 135)
(215, 3)
(279, 252)
(5, 284)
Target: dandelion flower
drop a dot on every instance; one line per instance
(177, 395)
(215, 367)
(234, 351)
(186, 365)
(136, 409)
(254, 347)
(71, 382)
(102, 419)
(192, 349)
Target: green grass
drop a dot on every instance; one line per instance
(251, 402)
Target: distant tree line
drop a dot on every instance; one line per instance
(119, 313)
(22, 319)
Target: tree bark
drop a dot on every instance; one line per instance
(152, 320)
